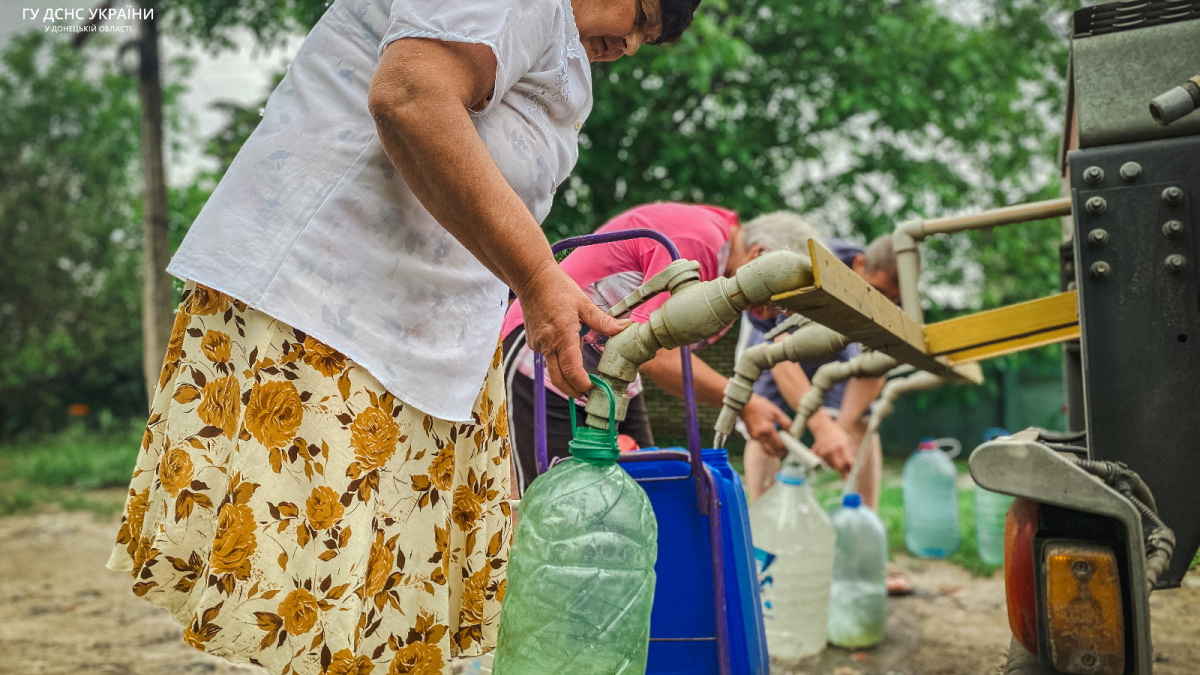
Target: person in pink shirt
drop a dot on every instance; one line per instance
(607, 273)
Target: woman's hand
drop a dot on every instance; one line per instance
(555, 310)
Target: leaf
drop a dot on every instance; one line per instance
(198, 378)
(211, 613)
(344, 537)
(288, 509)
(283, 560)
(210, 432)
(270, 594)
(183, 505)
(328, 555)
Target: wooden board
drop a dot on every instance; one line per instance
(1005, 330)
(841, 300)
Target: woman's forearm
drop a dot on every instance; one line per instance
(419, 99)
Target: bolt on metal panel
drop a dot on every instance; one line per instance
(1139, 307)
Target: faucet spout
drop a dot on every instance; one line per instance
(694, 312)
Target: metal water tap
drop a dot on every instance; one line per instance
(867, 364)
(809, 341)
(695, 311)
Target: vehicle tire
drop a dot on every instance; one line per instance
(1021, 662)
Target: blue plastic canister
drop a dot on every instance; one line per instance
(683, 596)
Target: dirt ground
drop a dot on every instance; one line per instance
(61, 611)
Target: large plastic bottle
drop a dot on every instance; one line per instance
(581, 570)
(990, 510)
(930, 502)
(858, 594)
(793, 543)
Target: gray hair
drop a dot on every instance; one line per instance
(880, 255)
(780, 231)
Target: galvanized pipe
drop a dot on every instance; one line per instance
(909, 233)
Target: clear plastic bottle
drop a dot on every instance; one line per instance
(581, 570)
(990, 510)
(793, 543)
(858, 594)
(930, 502)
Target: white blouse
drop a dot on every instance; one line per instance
(314, 226)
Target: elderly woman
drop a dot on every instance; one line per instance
(323, 479)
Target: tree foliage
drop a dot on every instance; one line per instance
(69, 234)
(863, 112)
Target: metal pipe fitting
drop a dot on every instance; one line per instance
(867, 364)
(909, 233)
(883, 407)
(696, 310)
(1177, 102)
(810, 342)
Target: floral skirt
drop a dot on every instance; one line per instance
(292, 513)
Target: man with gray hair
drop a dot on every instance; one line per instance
(839, 426)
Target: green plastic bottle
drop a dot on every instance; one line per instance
(581, 570)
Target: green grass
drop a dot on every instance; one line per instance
(66, 469)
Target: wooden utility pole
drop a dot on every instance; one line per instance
(157, 285)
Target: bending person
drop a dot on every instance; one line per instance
(607, 273)
(324, 478)
(839, 426)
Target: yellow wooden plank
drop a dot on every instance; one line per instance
(841, 300)
(1016, 345)
(1002, 325)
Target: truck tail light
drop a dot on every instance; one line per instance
(1084, 613)
(1020, 583)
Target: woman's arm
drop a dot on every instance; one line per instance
(419, 99)
(759, 414)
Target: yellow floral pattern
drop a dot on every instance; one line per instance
(292, 513)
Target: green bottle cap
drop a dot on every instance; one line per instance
(596, 446)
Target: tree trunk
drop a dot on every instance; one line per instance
(157, 289)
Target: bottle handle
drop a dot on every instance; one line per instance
(612, 407)
(955, 448)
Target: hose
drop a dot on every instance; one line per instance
(1159, 539)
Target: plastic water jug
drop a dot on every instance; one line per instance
(990, 510)
(931, 500)
(581, 570)
(858, 594)
(793, 544)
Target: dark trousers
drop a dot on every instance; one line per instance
(558, 417)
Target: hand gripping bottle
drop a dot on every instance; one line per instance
(793, 543)
(581, 570)
(858, 595)
(930, 501)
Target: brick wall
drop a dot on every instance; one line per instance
(666, 412)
